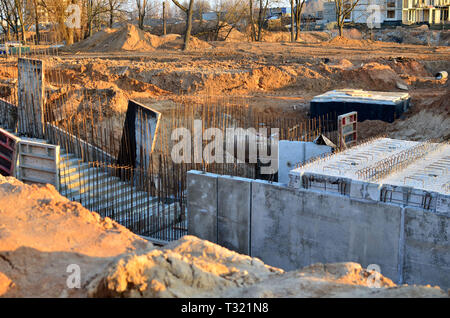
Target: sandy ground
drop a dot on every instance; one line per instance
(42, 234)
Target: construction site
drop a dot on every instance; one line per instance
(349, 169)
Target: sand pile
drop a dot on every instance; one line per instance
(176, 43)
(229, 34)
(129, 38)
(194, 268)
(374, 76)
(42, 234)
(347, 42)
(314, 37)
(157, 41)
(429, 118)
(276, 36)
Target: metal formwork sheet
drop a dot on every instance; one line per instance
(348, 129)
(8, 152)
(139, 135)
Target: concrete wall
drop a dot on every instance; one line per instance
(292, 228)
(291, 153)
(234, 213)
(427, 248)
(202, 202)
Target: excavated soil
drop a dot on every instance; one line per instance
(273, 77)
(131, 38)
(42, 235)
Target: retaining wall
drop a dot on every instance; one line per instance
(292, 228)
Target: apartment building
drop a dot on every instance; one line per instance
(426, 11)
(393, 12)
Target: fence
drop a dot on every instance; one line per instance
(146, 202)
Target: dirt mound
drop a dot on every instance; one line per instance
(194, 268)
(331, 280)
(184, 268)
(177, 43)
(129, 38)
(347, 42)
(314, 37)
(429, 118)
(157, 41)
(229, 34)
(92, 42)
(44, 235)
(375, 76)
(276, 36)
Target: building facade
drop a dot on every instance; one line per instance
(426, 11)
(393, 12)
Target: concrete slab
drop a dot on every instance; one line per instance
(202, 205)
(234, 215)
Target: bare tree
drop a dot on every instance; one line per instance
(299, 4)
(229, 13)
(292, 20)
(9, 19)
(344, 9)
(262, 17)
(114, 8)
(35, 13)
(252, 22)
(142, 12)
(13, 15)
(188, 11)
(20, 9)
(164, 18)
(94, 9)
(200, 7)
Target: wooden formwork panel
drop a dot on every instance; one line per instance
(31, 97)
(38, 163)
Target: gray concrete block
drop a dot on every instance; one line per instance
(313, 150)
(295, 180)
(365, 190)
(427, 248)
(373, 191)
(443, 204)
(289, 154)
(358, 189)
(234, 202)
(202, 205)
(273, 221)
